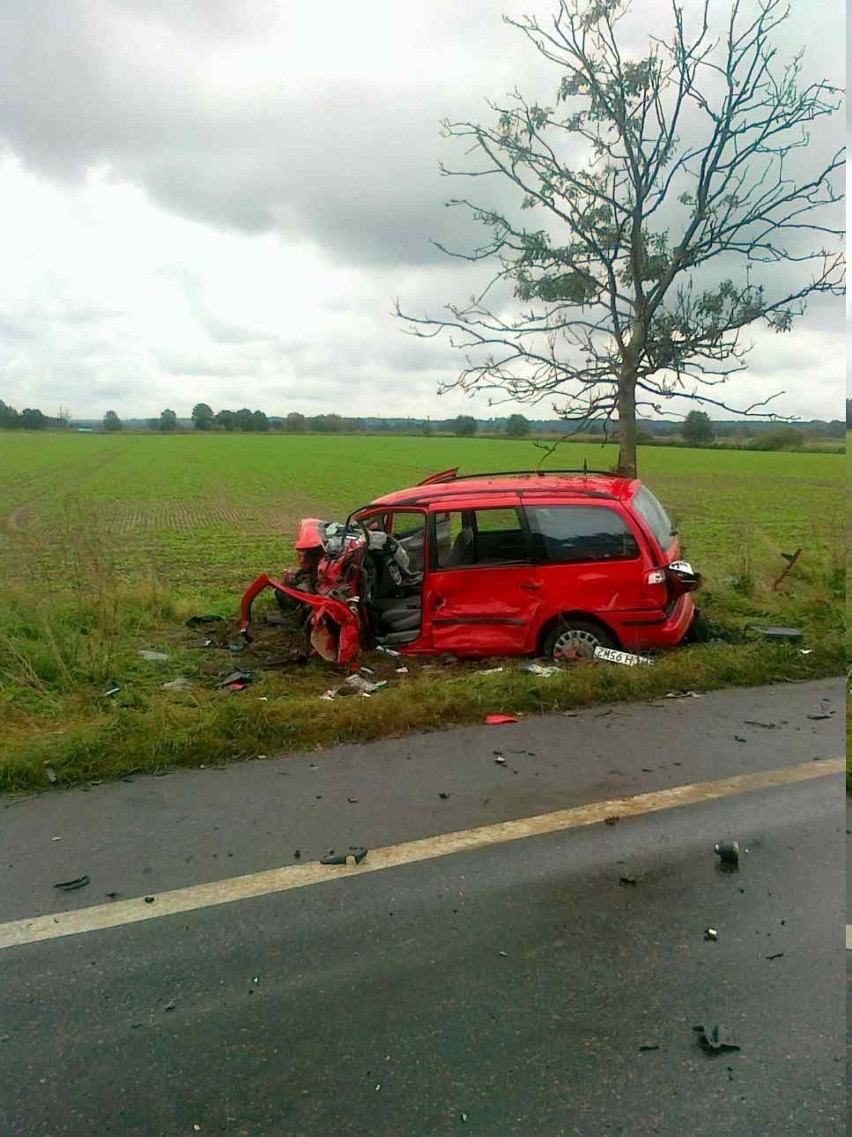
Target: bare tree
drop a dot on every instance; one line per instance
(678, 205)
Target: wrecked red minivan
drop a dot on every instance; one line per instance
(552, 563)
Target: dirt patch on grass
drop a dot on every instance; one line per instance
(15, 522)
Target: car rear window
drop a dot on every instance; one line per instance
(654, 516)
(568, 534)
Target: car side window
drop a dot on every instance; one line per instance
(570, 534)
(482, 537)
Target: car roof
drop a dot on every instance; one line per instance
(476, 489)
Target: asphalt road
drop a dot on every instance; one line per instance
(504, 990)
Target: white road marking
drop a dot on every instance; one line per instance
(37, 928)
(849, 937)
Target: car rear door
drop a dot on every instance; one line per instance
(592, 556)
(483, 593)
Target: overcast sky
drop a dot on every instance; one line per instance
(218, 200)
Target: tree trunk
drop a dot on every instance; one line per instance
(627, 423)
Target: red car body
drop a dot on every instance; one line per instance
(500, 564)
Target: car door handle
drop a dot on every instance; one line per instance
(530, 586)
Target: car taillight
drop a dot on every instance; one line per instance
(657, 576)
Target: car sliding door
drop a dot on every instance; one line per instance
(482, 593)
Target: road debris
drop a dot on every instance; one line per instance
(499, 720)
(149, 899)
(152, 656)
(614, 820)
(756, 722)
(356, 854)
(739, 738)
(387, 650)
(682, 695)
(728, 853)
(777, 955)
(50, 773)
(822, 715)
(645, 1046)
(73, 885)
(628, 881)
(443, 795)
(499, 759)
(717, 1039)
(489, 671)
(112, 688)
(711, 934)
(628, 658)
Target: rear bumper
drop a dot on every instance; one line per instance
(653, 628)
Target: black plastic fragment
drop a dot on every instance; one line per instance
(717, 1039)
(198, 621)
(728, 853)
(357, 853)
(73, 885)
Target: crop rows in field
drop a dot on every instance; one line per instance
(213, 510)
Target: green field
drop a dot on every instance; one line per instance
(206, 512)
(107, 544)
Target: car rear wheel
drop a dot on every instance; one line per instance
(573, 640)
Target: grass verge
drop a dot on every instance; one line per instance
(59, 654)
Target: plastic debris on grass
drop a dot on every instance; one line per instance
(153, 656)
(543, 669)
(777, 632)
(500, 720)
(176, 684)
(364, 686)
(236, 681)
(199, 621)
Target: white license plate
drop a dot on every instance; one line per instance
(613, 655)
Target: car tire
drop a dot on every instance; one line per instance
(578, 636)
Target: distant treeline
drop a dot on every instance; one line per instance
(30, 418)
(698, 429)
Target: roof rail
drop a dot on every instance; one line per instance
(540, 473)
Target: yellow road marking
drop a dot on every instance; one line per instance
(49, 927)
